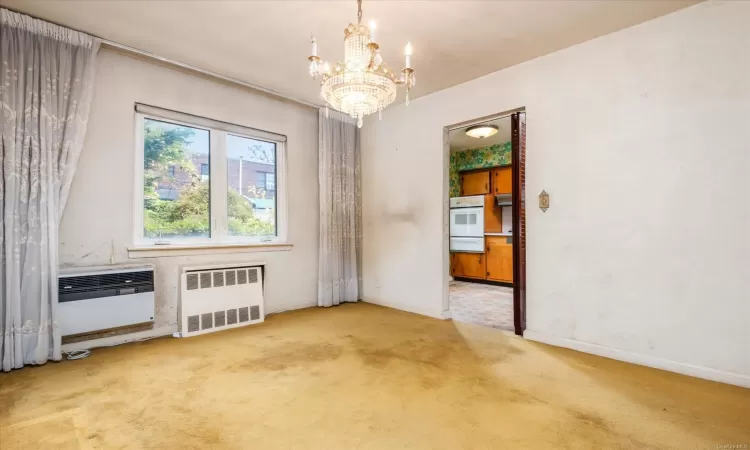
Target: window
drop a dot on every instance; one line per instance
(175, 203)
(199, 181)
(251, 209)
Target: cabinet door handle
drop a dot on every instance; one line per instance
(486, 187)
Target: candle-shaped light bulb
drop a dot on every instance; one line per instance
(314, 46)
(372, 31)
(408, 52)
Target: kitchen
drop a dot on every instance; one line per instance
(481, 235)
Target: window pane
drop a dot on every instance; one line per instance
(175, 181)
(251, 197)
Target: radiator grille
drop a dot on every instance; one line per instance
(193, 323)
(192, 281)
(218, 279)
(207, 321)
(219, 318)
(231, 277)
(231, 316)
(237, 302)
(221, 278)
(104, 281)
(205, 280)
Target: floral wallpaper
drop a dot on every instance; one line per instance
(477, 158)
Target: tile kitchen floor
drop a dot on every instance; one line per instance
(482, 304)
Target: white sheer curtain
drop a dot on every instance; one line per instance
(340, 258)
(46, 83)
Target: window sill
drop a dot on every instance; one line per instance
(156, 251)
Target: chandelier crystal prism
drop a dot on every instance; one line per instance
(362, 84)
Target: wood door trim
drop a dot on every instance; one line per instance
(518, 163)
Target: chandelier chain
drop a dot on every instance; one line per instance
(359, 12)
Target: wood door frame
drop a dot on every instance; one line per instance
(518, 197)
(518, 166)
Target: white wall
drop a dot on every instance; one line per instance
(98, 219)
(641, 139)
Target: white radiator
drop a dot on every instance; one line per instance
(219, 298)
(92, 299)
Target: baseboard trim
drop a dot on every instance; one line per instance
(643, 360)
(289, 307)
(120, 339)
(421, 312)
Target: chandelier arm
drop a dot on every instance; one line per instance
(371, 64)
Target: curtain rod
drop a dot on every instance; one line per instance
(172, 62)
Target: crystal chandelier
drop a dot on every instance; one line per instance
(363, 84)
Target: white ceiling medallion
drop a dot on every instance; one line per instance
(363, 84)
(481, 131)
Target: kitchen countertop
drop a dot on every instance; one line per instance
(499, 234)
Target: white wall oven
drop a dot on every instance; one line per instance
(467, 224)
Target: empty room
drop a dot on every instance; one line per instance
(336, 224)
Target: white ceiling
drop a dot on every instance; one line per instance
(267, 42)
(460, 141)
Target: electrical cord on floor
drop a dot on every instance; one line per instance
(78, 354)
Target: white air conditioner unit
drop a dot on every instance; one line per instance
(92, 299)
(219, 298)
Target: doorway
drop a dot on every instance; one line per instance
(485, 280)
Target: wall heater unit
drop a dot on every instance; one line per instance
(92, 299)
(219, 298)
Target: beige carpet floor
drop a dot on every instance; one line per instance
(366, 377)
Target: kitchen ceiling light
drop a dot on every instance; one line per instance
(363, 84)
(481, 131)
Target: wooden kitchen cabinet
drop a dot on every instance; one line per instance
(468, 265)
(475, 183)
(502, 180)
(499, 258)
(493, 215)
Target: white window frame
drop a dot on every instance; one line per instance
(217, 178)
